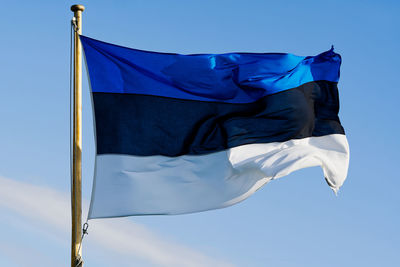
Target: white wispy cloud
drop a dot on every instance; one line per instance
(50, 209)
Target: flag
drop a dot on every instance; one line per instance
(187, 133)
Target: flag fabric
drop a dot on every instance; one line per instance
(186, 133)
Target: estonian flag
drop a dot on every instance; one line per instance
(186, 133)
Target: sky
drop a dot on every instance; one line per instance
(294, 221)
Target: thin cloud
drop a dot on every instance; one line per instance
(51, 209)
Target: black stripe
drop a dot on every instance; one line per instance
(151, 125)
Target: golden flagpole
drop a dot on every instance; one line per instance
(77, 143)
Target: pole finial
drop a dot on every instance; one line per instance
(75, 8)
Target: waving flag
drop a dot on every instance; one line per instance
(186, 133)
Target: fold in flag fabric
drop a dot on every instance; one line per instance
(186, 133)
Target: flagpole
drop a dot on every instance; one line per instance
(77, 143)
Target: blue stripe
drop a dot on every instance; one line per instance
(226, 78)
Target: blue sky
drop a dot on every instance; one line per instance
(294, 221)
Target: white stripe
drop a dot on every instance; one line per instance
(131, 185)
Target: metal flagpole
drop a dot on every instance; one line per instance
(76, 195)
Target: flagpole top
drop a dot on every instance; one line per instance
(76, 8)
